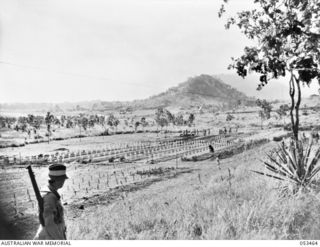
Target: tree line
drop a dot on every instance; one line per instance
(31, 123)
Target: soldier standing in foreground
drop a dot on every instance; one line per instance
(54, 225)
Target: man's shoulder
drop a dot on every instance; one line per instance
(49, 195)
(46, 193)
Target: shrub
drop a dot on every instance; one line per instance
(58, 138)
(80, 136)
(104, 133)
(277, 138)
(128, 132)
(295, 163)
(15, 145)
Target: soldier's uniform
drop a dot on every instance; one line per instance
(53, 216)
(54, 224)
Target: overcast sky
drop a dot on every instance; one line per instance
(72, 50)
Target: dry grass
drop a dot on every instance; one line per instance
(207, 204)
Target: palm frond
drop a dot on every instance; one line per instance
(308, 151)
(314, 160)
(286, 176)
(290, 159)
(293, 160)
(281, 166)
(315, 171)
(268, 175)
(281, 156)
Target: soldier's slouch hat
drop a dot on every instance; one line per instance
(58, 171)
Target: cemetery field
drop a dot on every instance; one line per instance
(106, 172)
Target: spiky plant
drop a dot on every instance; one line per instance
(296, 163)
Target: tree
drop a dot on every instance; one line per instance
(161, 117)
(35, 122)
(38, 121)
(265, 112)
(116, 122)
(286, 34)
(82, 122)
(113, 121)
(143, 122)
(30, 119)
(22, 122)
(191, 119)
(63, 120)
(3, 122)
(179, 120)
(136, 125)
(7, 121)
(49, 121)
(69, 123)
(282, 111)
(93, 119)
(170, 116)
(110, 120)
(102, 120)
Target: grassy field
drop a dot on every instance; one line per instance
(207, 203)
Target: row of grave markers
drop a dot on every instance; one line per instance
(129, 151)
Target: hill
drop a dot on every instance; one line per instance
(203, 90)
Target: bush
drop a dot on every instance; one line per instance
(277, 138)
(80, 136)
(58, 139)
(127, 132)
(15, 145)
(294, 163)
(281, 137)
(104, 133)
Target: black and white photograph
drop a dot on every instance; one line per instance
(159, 120)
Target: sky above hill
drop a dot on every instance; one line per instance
(73, 50)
